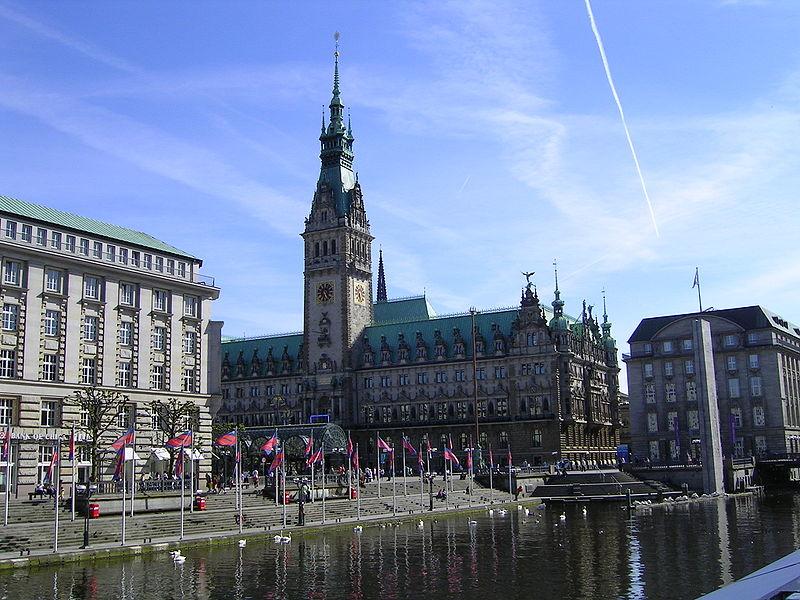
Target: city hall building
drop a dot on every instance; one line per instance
(86, 303)
(546, 384)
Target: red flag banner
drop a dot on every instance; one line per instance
(270, 445)
(408, 446)
(127, 438)
(310, 445)
(382, 445)
(229, 439)
(276, 462)
(180, 441)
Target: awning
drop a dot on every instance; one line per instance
(159, 453)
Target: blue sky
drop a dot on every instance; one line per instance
(487, 142)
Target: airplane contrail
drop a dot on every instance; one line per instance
(621, 113)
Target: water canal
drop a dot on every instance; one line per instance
(677, 552)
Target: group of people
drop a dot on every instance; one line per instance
(218, 484)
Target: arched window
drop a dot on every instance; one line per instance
(316, 249)
(451, 412)
(491, 408)
(333, 246)
(325, 248)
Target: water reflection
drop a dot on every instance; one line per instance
(679, 551)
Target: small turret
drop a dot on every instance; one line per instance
(558, 322)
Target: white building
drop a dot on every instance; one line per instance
(88, 303)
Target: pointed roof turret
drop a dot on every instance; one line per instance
(608, 341)
(382, 297)
(558, 322)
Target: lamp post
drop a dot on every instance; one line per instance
(472, 312)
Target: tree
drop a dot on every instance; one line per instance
(99, 409)
(173, 418)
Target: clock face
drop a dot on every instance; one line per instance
(360, 293)
(325, 293)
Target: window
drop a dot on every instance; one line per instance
(43, 467)
(736, 416)
(422, 377)
(12, 272)
(91, 287)
(55, 240)
(170, 266)
(10, 312)
(159, 264)
(650, 393)
(672, 420)
(182, 267)
(70, 245)
(733, 388)
(738, 447)
(761, 444)
(647, 348)
(648, 370)
(123, 418)
(460, 375)
(688, 367)
(189, 342)
(503, 438)
(758, 416)
(90, 329)
(285, 389)
(691, 390)
(27, 233)
(49, 413)
(729, 341)
(127, 294)
(536, 442)
(125, 333)
(190, 306)
(667, 346)
(502, 407)
(88, 371)
(755, 386)
(124, 374)
(693, 417)
(11, 229)
(730, 362)
(752, 338)
(753, 361)
(157, 377)
(7, 363)
(49, 367)
(441, 411)
(159, 338)
(652, 422)
(670, 390)
(402, 379)
(480, 373)
(6, 411)
(368, 384)
(51, 319)
(123, 256)
(111, 253)
(147, 261)
(160, 300)
(668, 368)
(687, 345)
(41, 236)
(53, 281)
(97, 249)
(441, 376)
(188, 381)
(386, 381)
(499, 372)
(84, 246)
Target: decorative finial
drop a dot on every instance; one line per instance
(336, 37)
(605, 312)
(323, 118)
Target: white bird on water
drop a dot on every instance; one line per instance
(584, 511)
(420, 525)
(242, 543)
(563, 517)
(358, 528)
(179, 559)
(175, 553)
(471, 522)
(286, 539)
(491, 512)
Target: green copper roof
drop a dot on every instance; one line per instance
(276, 343)
(45, 214)
(402, 309)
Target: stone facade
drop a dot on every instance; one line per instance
(85, 303)
(547, 384)
(755, 355)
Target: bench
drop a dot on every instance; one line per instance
(39, 493)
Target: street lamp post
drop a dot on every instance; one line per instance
(472, 312)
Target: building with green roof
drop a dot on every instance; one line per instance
(527, 377)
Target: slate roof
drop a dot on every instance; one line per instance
(52, 216)
(291, 341)
(747, 317)
(413, 308)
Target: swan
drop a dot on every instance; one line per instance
(277, 539)
(242, 543)
(175, 553)
(179, 560)
(491, 512)
(358, 528)
(519, 506)
(286, 539)
(584, 511)
(420, 525)
(527, 512)
(471, 522)
(563, 517)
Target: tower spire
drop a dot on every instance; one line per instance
(336, 106)
(381, 279)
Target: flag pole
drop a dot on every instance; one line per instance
(276, 477)
(72, 451)
(57, 480)
(182, 460)
(446, 489)
(491, 468)
(324, 489)
(311, 456)
(133, 465)
(358, 495)
(349, 468)
(239, 477)
(405, 486)
(421, 465)
(510, 491)
(7, 447)
(283, 481)
(191, 472)
(394, 486)
(378, 461)
(124, 479)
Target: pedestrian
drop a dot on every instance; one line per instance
(209, 482)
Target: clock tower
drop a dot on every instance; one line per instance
(338, 265)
